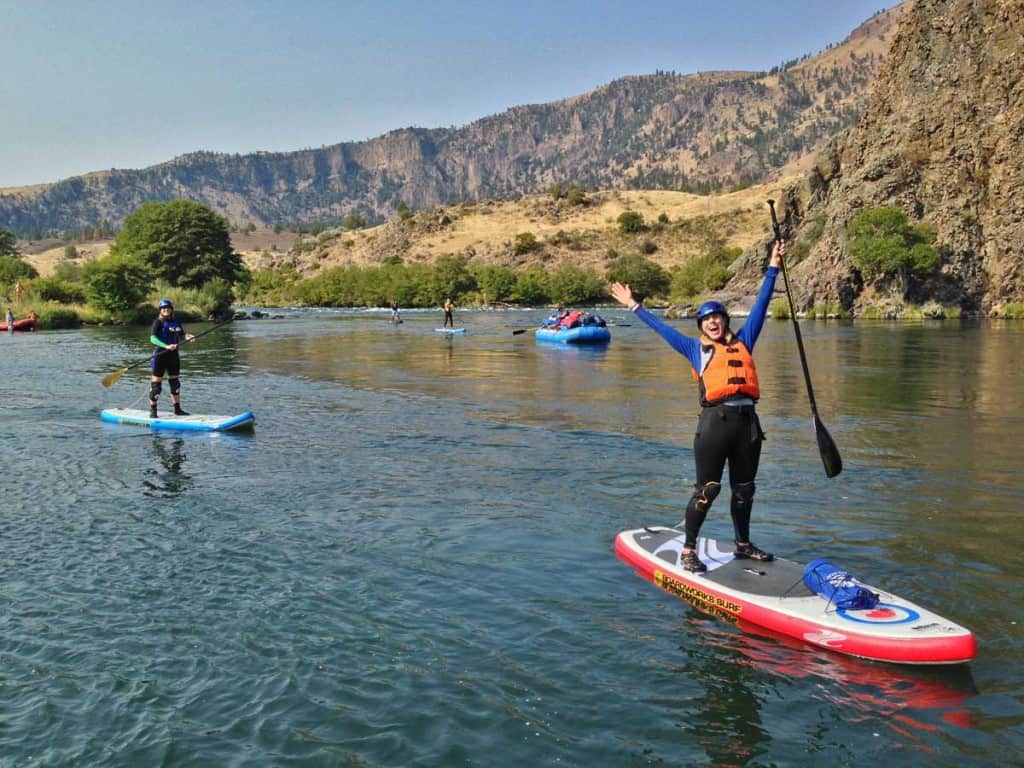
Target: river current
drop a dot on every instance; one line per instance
(410, 560)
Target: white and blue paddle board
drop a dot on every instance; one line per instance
(773, 596)
(449, 331)
(195, 422)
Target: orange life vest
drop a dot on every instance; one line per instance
(729, 371)
(571, 320)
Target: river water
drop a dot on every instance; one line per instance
(410, 561)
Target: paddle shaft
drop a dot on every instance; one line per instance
(830, 457)
(792, 315)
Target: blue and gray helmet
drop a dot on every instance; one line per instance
(710, 308)
(165, 303)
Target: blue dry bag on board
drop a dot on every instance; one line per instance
(841, 589)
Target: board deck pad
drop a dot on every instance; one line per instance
(449, 330)
(779, 578)
(195, 422)
(773, 595)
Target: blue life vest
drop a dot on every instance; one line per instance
(170, 331)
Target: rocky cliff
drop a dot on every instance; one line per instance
(941, 138)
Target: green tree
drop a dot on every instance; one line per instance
(525, 242)
(570, 284)
(8, 243)
(57, 290)
(117, 282)
(13, 269)
(630, 222)
(575, 195)
(532, 286)
(215, 297)
(495, 283)
(68, 271)
(403, 211)
(700, 274)
(451, 278)
(354, 221)
(883, 243)
(184, 243)
(642, 275)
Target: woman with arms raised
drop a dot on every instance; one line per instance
(728, 430)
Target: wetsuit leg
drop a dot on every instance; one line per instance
(697, 510)
(743, 462)
(740, 507)
(710, 451)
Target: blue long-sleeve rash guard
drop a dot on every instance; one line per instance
(689, 347)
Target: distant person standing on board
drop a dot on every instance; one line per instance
(395, 317)
(10, 321)
(165, 335)
(449, 317)
(728, 430)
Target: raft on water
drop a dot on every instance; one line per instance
(581, 334)
(25, 324)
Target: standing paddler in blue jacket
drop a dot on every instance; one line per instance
(165, 335)
(728, 429)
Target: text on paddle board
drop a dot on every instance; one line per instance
(688, 592)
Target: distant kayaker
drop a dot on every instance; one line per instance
(728, 429)
(449, 316)
(166, 335)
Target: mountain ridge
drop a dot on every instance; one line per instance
(702, 132)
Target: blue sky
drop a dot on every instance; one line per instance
(89, 85)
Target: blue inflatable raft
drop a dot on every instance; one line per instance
(581, 334)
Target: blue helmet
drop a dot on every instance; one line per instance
(165, 303)
(710, 308)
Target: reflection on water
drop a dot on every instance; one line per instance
(167, 478)
(749, 667)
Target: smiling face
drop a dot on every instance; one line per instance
(715, 326)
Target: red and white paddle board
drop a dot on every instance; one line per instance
(773, 595)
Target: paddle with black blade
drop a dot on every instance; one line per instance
(111, 378)
(826, 445)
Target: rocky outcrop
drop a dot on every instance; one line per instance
(941, 138)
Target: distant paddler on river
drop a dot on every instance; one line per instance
(728, 430)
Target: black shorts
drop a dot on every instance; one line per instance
(168, 363)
